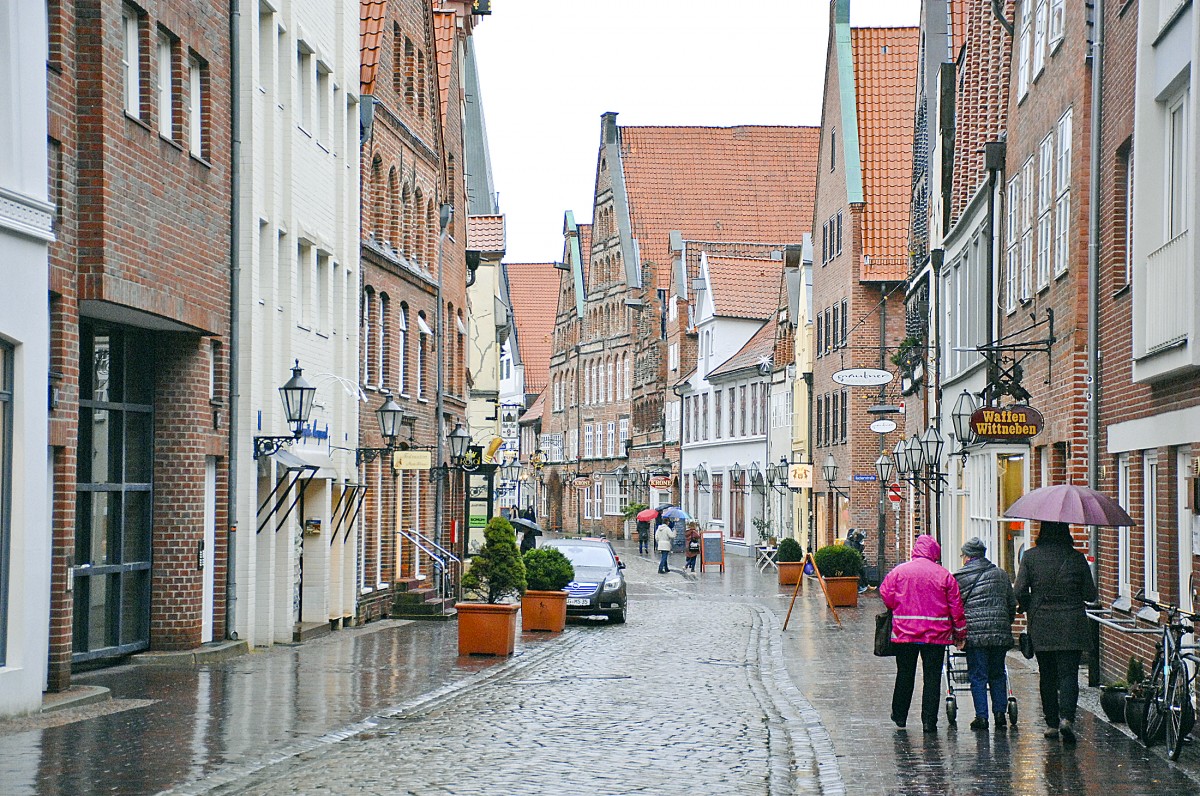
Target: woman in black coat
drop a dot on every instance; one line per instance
(1052, 586)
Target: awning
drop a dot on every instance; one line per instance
(292, 482)
(320, 460)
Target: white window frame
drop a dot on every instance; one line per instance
(1175, 177)
(1045, 234)
(1062, 204)
(304, 87)
(1025, 45)
(1124, 471)
(622, 431)
(611, 439)
(324, 116)
(588, 441)
(614, 498)
(1013, 262)
(1150, 522)
(673, 356)
(401, 344)
(131, 62)
(196, 107)
(628, 378)
(1057, 23)
(166, 87)
(1041, 24)
(1027, 230)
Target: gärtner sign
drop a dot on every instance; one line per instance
(1012, 424)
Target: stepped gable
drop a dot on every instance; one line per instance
(748, 183)
(885, 79)
(533, 291)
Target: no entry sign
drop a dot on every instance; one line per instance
(894, 493)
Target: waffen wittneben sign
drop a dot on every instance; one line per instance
(1016, 423)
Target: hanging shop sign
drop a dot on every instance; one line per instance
(800, 476)
(660, 482)
(863, 377)
(1011, 424)
(884, 426)
(582, 482)
(412, 460)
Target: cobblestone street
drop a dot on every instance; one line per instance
(700, 692)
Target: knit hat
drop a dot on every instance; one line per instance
(974, 548)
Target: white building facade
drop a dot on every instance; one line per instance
(26, 228)
(298, 287)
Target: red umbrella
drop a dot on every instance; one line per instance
(1069, 503)
(647, 515)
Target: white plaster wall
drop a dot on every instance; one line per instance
(25, 230)
(296, 185)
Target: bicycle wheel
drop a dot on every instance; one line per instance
(1155, 707)
(1179, 712)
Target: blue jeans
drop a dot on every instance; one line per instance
(662, 560)
(985, 669)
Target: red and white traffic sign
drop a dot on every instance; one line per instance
(895, 493)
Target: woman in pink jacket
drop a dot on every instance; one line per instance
(927, 617)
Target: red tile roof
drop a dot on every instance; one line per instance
(748, 183)
(885, 78)
(533, 290)
(585, 250)
(371, 18)
(443, 37)
(958, 26)
(756, 351)
(743, 287)
(485, 233)
(534, 412)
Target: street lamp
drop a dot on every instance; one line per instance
(298, 396)
(459, 441)
(390, 417)
(702, 478)
(884, 467)
(931, 447)
(964, 408)
(830, 470)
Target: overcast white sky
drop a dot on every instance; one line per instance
(548, 70)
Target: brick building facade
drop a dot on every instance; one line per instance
(860, 264)
(139, 164)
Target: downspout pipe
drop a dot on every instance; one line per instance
(445, 214)
(235, 297)
(998, 11)
(1092, 392)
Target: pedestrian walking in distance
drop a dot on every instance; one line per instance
(663, 537)
(691, 539)
(1053, 584)
(927, 617)
(643, 534)
(528, 540)
(991, 606)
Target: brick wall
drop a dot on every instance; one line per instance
(144, 225)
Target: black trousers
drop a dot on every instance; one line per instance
(1059, 684)
(932, 656)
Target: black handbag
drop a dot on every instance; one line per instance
(884, 646)
(1026, 645)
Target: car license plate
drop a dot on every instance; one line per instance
(578, 601)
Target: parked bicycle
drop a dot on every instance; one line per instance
(1169, 694)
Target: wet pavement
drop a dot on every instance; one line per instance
(700, 692)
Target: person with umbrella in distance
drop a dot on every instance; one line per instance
(1054, 582)
(529, 533)
(646, 518)
(664, 536)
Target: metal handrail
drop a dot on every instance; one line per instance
(444, 558)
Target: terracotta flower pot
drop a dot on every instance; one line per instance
(790, 572)
(843, 592)
(486, 629)
(544, 610)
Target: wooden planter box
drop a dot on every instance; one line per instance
(486, 629)
(790, 572)
(544, 610)
(843, 592)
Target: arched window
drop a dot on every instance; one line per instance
(431, 234)
(451, 344)
(384, 347)
(418, 246)
(421, 83)
(628, 377)
(401, 346)
(422, 352)
(452, 188)
(410, 72)
(406, 232)
(611, 386)
(392, 223)
(461, 370)
(368, 322)
(379, 203)
(397, 61)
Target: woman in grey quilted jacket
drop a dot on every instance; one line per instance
(991, 606)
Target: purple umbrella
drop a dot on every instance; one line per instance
(1069, 503)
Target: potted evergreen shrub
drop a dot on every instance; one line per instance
(496, 576)
(1112, 700)
(840, 566)
(1135, 701)
(790, 558)
(544, 605)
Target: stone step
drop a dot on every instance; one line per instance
(415, 596)
(409, 584)
(307, 631)
(432, 609)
